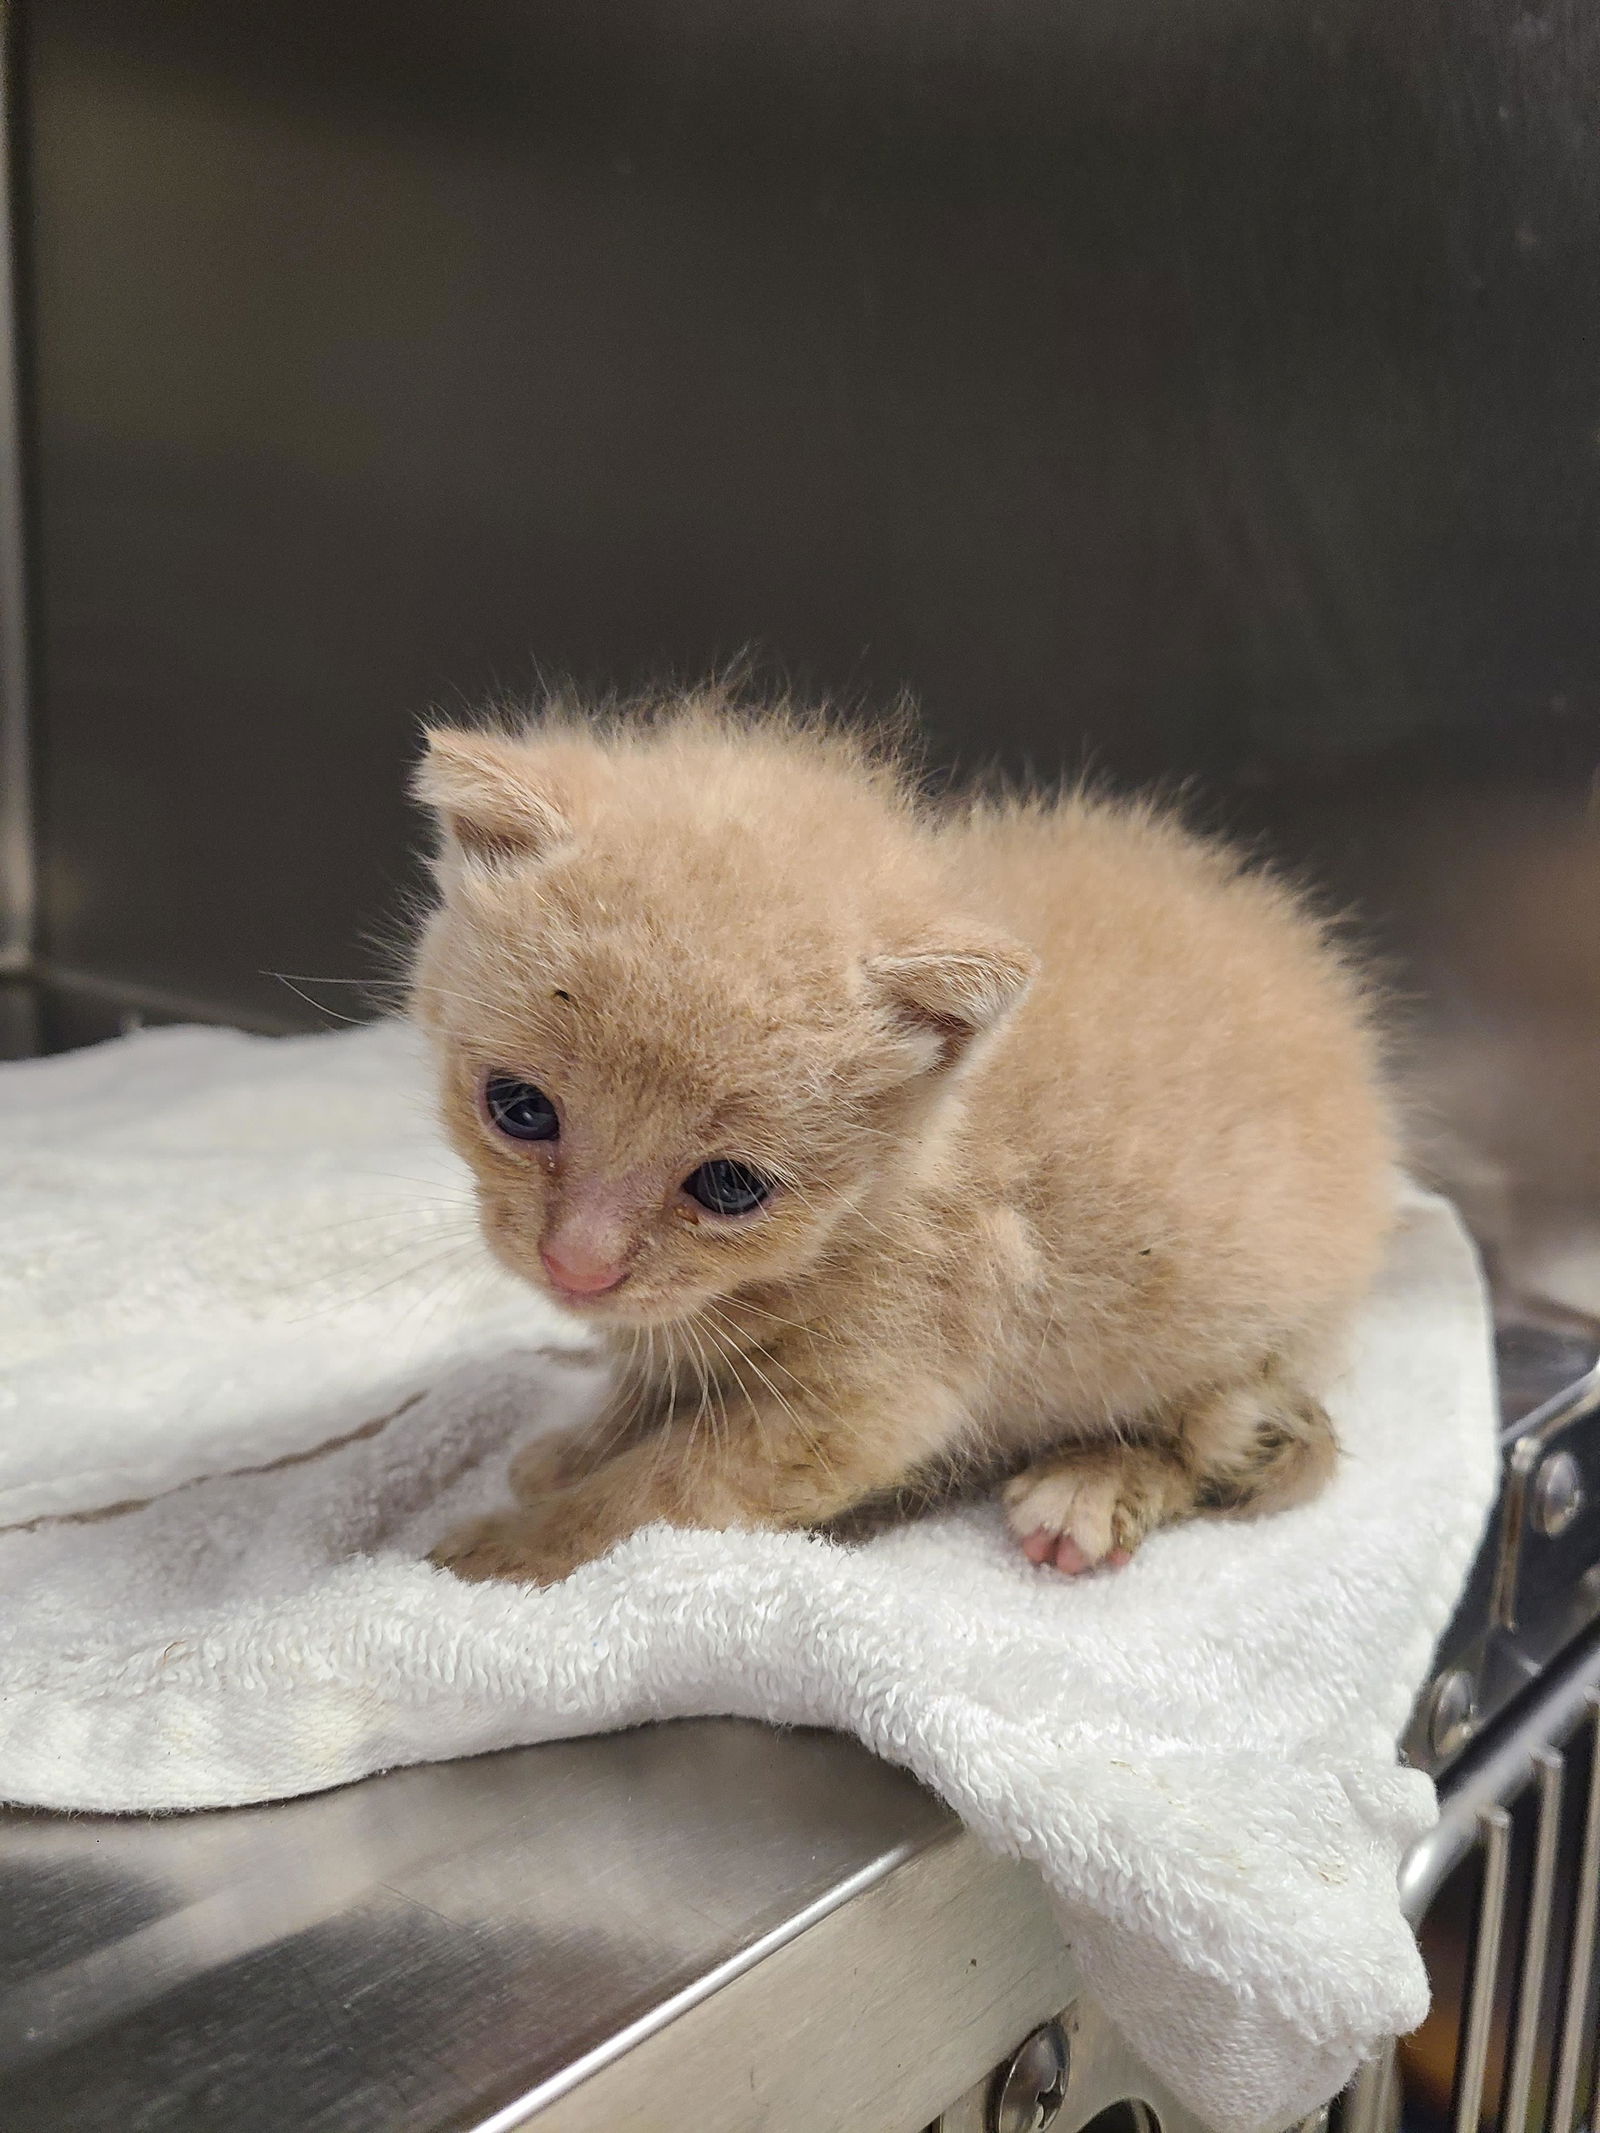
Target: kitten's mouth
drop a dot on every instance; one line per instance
(620, 1308)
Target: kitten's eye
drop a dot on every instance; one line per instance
(519, 1110)
(728, 1188)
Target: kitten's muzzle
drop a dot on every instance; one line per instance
(576, 1278)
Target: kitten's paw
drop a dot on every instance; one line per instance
(1088, 1509)
(1265, 1445)
(509, 1549)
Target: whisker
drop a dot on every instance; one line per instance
(318, 1006)
(807, 1436)
(345, 1301)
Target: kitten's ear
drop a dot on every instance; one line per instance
(485, 792)
(955, 988)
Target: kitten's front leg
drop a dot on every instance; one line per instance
(792, 1463)
(559, 1458)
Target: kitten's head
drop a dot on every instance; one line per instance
(695, 996)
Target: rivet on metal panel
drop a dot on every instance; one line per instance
(1028, 2092)
(1452, 1712)
(1557, 1494)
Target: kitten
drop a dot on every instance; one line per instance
(884, 1142)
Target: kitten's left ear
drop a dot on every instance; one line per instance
(958, 987)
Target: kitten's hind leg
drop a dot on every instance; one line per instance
(1260, 1446)
(1237, 1451)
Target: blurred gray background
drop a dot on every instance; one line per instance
(1203, 391)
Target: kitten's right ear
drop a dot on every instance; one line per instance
(482, 788)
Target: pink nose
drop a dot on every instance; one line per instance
(578, 1276)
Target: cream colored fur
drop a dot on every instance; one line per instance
(1084, 1161)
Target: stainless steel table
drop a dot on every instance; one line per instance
(695, 1926)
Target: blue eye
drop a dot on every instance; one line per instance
(728, 1188)
(519, 1110)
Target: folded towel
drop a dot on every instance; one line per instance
(244, 1316)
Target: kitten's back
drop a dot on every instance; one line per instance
(1194, 1025)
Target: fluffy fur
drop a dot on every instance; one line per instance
(1082, 1155)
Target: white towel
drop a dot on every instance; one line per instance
(220, 1253)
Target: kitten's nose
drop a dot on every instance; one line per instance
(579, 1275)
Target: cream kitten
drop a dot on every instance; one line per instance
(885, 1142)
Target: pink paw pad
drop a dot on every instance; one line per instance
(1061, 1552)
